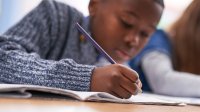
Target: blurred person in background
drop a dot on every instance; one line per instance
(170, 62)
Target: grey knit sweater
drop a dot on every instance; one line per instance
(44, 49)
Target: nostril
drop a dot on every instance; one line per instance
(133, 42)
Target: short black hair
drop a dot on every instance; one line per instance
(161, 2)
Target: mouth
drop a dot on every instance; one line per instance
(123, 54)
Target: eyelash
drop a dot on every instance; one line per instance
(143, 34)
(126, 25)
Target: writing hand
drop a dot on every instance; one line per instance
(117, 80)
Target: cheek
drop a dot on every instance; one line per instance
(143, 43)
(112, 31)
(112, 24)
(108, 31)
(116, 32)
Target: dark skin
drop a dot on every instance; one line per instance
(122, 28)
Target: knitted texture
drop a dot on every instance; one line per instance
(44, 49)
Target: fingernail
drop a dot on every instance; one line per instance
(139, 90)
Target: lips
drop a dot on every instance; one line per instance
(123, 54)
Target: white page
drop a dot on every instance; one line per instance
(151, 100)
(138, 99)
(88, 96)
(187, 100)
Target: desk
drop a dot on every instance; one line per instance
(57, 105)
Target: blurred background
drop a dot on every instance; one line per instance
(11, 11)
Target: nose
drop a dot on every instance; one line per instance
(132, 39)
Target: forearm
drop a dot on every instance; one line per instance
(164, 80)
(19, 67)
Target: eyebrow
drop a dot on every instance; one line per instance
(136, 16)
(133, 14)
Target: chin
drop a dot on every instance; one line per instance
(121, 61)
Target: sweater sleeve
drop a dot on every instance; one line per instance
(24, 47)
(163, 79)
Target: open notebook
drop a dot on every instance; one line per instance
(27, 91)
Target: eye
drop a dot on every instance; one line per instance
(144, 34)
(126, 24)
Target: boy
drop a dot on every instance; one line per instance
(46, 49)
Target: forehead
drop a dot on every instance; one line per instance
(144, 9)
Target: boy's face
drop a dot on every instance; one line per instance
(123, 27)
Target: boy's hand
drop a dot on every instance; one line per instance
(116, 79)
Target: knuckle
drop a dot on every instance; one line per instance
(137, 78)
(118, 66)
(136, 75)
(115, 76)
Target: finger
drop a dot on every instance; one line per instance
(122, 93)
(113, 93)
(128, 85)
(129, 74)
(139, 84)
(138, 89)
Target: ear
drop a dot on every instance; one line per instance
(93, 6)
